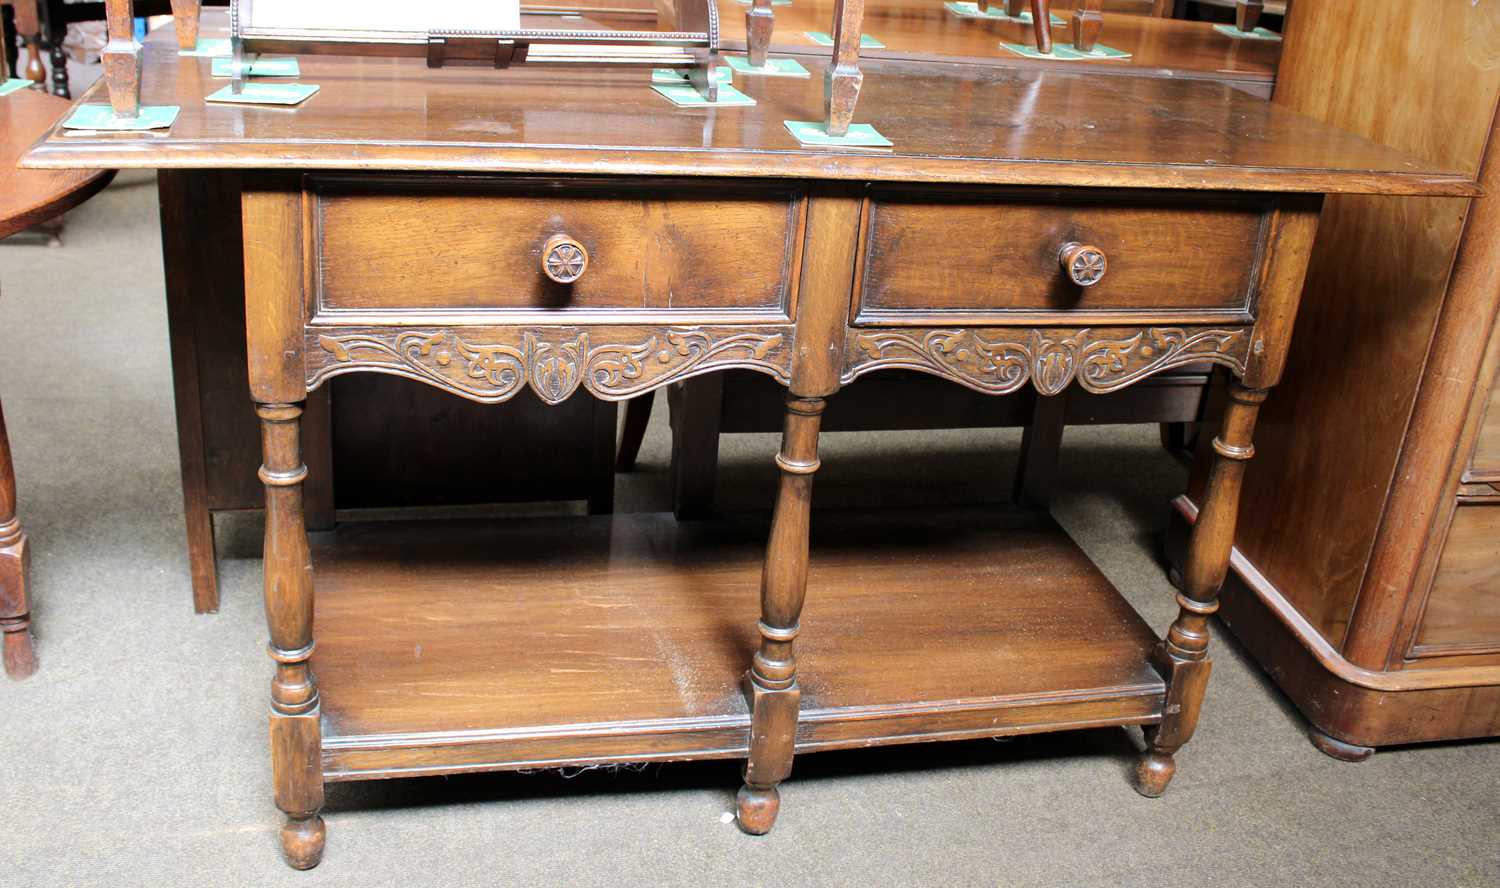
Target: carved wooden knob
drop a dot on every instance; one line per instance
(564, 260)
(1085, 264)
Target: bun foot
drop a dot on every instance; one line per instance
(20, 655)
(1336, 748)
(758, 807)
(1153, 773)
(302, 842)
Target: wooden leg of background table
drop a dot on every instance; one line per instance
(1041, 24)
(15, 609)
(295, 727)
(1183, 656)
(771, 683)
(842, 80)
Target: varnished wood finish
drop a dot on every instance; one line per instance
(30, 197)
(1120, 132)
(656, 247)
(1462, 612)
(1395, 444)
(1146, 134)
(922, 30)
(416, 628)
(1188, 260)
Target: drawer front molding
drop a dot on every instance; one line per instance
(490, 365)
(999, 362)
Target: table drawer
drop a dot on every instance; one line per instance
(429, 245)
(938, 257)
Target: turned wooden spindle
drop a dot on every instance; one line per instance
(1247, 14)
(771, 683)
(295, 728)
(1041, 24)
(842, 81)
(29, 29)
(15, 609)
(1087, 22)
(122, 59)
(1183, 655)
(760, 22)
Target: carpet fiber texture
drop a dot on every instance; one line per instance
(138, 753)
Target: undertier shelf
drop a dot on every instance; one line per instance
(477, 645)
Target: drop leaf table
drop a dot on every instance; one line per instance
(571, 232)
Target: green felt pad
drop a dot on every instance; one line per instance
(815, 132)
(822, 39)
(265, 94)
(772, 68)
(1064, 52)
(261, 67)
(208, 46)
(14, 84)
(685, 96)
(102, 117)
(1257, 34)
(674, 76)
(971, 10)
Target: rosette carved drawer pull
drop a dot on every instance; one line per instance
(564, 260)
(1085, 264)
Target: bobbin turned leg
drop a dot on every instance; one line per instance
(15, 610)
(1183, 655)
(295, 733)
(771, 683)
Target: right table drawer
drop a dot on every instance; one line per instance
(936, 256)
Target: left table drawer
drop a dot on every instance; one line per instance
(620, 249)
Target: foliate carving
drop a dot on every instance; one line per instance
(1051, 359)
(490, 365)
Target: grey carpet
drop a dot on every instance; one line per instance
(137, 755)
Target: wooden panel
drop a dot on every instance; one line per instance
(950, 123)
(416, 636)
(1463, 608)
(1486, 458)
(997, 255)
(436, 243)
(1364, 326)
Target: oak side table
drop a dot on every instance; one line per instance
(569, 232)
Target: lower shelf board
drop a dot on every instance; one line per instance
(499, 644)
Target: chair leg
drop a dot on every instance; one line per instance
(637, 417)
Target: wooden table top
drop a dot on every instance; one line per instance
(28, 197)
(949, 122)
(923, 29)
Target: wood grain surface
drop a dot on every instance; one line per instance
(31, 196)
(648, 624)
(957, 123)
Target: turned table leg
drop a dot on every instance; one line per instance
(771, 684)
(15, 610)
(1183, 656)
(295, 731)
